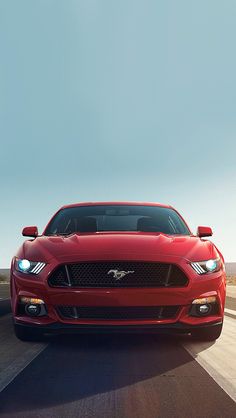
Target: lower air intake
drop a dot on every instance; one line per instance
(117, 313)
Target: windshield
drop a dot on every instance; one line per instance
(117, 218)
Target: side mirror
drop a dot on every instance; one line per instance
(30, 231)
(204, 231)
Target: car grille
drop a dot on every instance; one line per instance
(96, 274)
(117, 313)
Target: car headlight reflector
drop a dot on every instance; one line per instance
(211, 265)
(208, 266)
(26, 266)
(34, 301)
(203, 301)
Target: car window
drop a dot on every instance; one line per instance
(117, 218)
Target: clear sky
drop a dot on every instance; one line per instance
(117, 100)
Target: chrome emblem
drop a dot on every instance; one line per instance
(119, 274)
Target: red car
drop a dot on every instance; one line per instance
(118, 266)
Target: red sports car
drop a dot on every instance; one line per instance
(118, 267)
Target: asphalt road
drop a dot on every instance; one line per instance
(4, 299)
(116, 375)
(4, 291)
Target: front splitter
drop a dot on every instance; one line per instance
(58, 328)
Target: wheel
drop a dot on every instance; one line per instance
(27, 334)
(208, 333)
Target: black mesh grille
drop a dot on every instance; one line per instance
(96, 274)
(117, 313)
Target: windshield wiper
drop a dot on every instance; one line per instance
(61, 233)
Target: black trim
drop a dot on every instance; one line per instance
(117, 312)
(59, 328)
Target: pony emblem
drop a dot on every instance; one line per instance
(119, 274)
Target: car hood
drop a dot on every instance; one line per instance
(101, 246)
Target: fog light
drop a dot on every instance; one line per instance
(33, 310)
(204, 309)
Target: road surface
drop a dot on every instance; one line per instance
(117, 376)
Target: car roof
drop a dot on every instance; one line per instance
(116, 203)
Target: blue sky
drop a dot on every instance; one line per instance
(117, 100)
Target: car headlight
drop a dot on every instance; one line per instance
(26, 266)
(208, 266)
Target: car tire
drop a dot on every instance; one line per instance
(208, 333)
(25, 334)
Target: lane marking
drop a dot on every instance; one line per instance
(17, 366)
(2, 299)
(218, 358)
(230, 311)
(15, 355)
